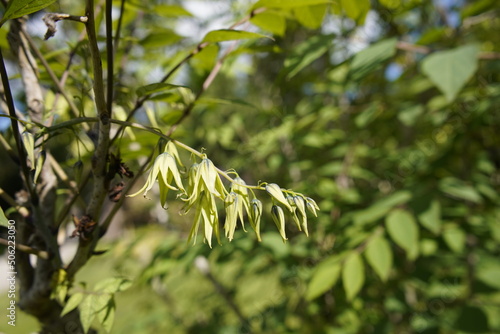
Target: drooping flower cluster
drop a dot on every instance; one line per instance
(205, 187)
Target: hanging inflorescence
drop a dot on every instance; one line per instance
(205, 188)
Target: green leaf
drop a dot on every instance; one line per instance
(368, 115)
(371, 58)
(408, 116)
(488, 273)
(72, 303)
(379, 256)
(324, 278)
(310, 16)
(431, 217)
(289, 3)
(391, 4)
(206, 58)
(230, 35)
(271, 22)
(403, 229)
(305, 53)
(18, 8)
(455, 238)
(353, 275)
(87, 312)
(107, 316)
(3, 219)
(450, 70)
(113, 284)
(356, 9)
(171, 11)
(472, 319)
(157, 88)
(459, 189)
(380, 208)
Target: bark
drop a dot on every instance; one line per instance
(39, 229)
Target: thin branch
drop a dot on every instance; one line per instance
(27, 249)
(15, 129)
(23, 211)
(50, 20)
(110, 56)
(119, 26)
(208, 81)
(183, 61)
(100, 185)
(52, 75)
(153, 131)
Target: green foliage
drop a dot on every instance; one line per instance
(450, 70)
(18, 8)
(396, 142)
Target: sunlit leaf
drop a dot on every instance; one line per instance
(403, 229)
(171, 11)
(450, 70)
(371, 58)
(87, 312)
(353, 275)
(305, 53)
(356, 9)
(324, 278)
(431, 217)
(289, 3)
(113, 284)
(379, 256)
(310, 16)
(72, 303)
(455, 238)
(18, 8)
(107, 316)
(380, 208)
(391, 4)
(269, 21)
(459, 189)
(216, 36)
(157, 88)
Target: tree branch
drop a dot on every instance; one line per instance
(99, 160)
(27, 249)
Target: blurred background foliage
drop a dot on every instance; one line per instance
(385, 112)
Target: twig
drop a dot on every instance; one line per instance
(7, 198)
(86, 247)
(15, 130)
(183, 61)
(50, 20)
(119, 27)
(27, 249)
(208, 81)
(52, 75)
(109, 57)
